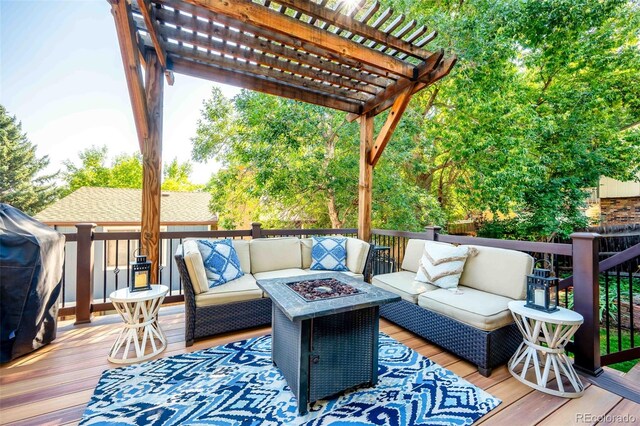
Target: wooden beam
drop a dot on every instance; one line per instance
(260, 64)
(260, 84)
(365, 182)
(152, 164)
(258, 15)
(346, 23)
(350, 68)
(152, 28)
(313, 65)
(442, 70)
(392, 92)
(399, 106)
(129, 50)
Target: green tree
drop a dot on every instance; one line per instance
(543, 101)
(22, 183)
(176, 177)
(287, 160)
(125, 171)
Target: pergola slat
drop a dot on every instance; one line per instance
(270, 61)
(258, 15)
(297, 49)
(348, 67)
(231, 64)
(260, 84)
(254, 43)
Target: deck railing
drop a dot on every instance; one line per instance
(97, 263)
(577, 263)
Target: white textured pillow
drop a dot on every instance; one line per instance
(442, 264)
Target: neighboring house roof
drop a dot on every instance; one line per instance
(122, 206)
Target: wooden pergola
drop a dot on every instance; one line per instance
(349, 55)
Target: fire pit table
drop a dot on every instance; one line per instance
(325, 332)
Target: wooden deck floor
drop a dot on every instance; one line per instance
(53, 385)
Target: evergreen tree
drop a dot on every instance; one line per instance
(21, 183)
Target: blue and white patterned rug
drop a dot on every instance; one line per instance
(236, 384)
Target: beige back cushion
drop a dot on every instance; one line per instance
(357, 251)
(306, 245)
(242, 248)
(498, 271)
(195, 265)
(271, 254)
(413, 253)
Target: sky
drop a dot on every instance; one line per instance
(61, 75)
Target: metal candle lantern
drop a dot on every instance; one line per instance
(140, 274)
(542, 290)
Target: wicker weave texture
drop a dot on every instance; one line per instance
(482, 348)
(210, 320)
(343, 344)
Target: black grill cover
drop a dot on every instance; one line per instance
(31, 259)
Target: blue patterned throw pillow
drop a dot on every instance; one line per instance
(329, 254)
(221, 262)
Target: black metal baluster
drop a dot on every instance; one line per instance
(64, 275)
(170, 266)
(631, 306)
(606, 310)
(180, 277)
(104, 270)
(116, 271)
(128, 263)
(618, 298)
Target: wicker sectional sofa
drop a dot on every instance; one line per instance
(475, 322)
(240, 303)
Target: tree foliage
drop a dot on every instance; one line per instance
(542, 102)
(22, 183)
(125, 171)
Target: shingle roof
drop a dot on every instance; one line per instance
(123, 206)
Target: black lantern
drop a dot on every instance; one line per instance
(542, 290)
(140, 274)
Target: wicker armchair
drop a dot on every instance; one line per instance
(210, 320)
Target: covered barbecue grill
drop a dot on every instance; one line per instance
(31, 260)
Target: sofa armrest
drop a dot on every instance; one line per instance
(357, 252)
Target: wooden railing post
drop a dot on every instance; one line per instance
(432, 232)
(586, 299)
(84, 272)
(256, 230)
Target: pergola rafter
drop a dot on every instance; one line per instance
(361, 60)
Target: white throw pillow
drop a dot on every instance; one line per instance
(442, 264)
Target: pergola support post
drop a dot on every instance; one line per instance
(152, 164)
(366, 178)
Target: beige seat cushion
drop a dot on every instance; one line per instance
(272, 254)
(476, 308)
(357, 251)
(195, 265)
(244, 288)
(498, 271)
(403, 284)
(281, 273)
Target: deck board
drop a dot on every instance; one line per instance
(53, 385)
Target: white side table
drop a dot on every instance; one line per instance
(545, 336)
(139, 310)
